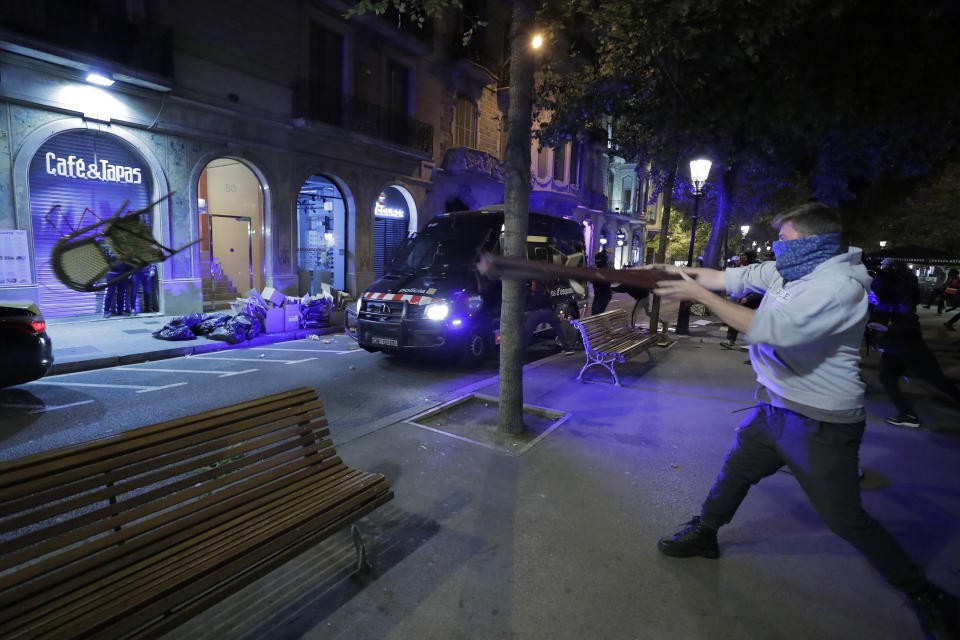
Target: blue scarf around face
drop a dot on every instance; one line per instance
(797, 258)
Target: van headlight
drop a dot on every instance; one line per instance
(359, 304)
(437, 311)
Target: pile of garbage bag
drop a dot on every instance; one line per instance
(216, 326)
(315, 311)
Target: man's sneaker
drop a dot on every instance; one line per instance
(949, 326)
(694, 539)
(726, 344)
(905, 420)
(938, 612)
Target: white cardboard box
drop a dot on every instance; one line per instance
(274, 323)
(291, 316)
(272, 295)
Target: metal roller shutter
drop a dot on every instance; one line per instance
(75, 195)
(390, 232)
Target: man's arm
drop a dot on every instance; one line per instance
(712, 279)
(734, 315)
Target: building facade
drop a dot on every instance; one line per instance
(296, 147)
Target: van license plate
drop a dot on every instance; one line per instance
(386, 342)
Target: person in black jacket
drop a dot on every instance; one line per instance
(900, 341)
(602, 291)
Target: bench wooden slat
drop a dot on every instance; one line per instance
(73, 454)
(157, 545)
(128, 534)
(180, 564)
(137, 449)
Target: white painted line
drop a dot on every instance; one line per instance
(36, 409)
(139, 387)
(247, 359)
(166, 386)
(307, 350)
(219, 374)
(299, 361)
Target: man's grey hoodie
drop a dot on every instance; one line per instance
(805, 336)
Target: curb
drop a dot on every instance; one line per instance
(204, 346)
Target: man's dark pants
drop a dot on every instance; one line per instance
(917, 357)
(824, 458)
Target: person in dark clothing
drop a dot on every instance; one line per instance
(602, 291)
(900, 341)
(540, 310)
(945, 292)
(750, 301)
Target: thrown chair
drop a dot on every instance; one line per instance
(94, 257)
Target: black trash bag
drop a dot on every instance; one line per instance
(316, 312)
(230, 332)
(256, 328)
(243, 324)
(211, 322)
(174, 332)
(188, 320)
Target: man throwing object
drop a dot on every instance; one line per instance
(805, 349)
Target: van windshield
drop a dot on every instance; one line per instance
(445, 245)
(436, 253)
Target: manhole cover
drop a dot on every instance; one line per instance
(473, 418)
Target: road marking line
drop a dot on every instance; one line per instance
(219, 374)
(36, 409)
(140, 388)
(245, 359)
(166, 386)
(336, 351)
(299, 361)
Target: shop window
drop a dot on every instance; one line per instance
(465, 124)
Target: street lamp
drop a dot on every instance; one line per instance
(744, 230)
(699, 170)
(883, 243)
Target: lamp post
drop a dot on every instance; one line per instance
(744, 230)
(699, 170)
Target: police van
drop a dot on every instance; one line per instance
(432, 298)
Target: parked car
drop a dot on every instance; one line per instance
(432, 297)
(26, 351)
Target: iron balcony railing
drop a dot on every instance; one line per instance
(354, 114)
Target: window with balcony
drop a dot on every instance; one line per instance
(560, 163)
(626, 195)
(543, 163)
(326, 74)
(465, 124)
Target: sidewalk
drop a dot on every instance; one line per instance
(99, 343)
(559, 541)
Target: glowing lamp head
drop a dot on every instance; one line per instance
(537, 41)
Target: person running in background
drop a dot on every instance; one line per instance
(900, 341)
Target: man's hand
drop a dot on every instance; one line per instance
(684, 289)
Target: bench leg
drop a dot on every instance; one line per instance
(607, 364)
(363, 565)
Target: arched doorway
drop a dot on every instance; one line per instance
(394, 217)
(230, 205)
(321, 234)
(76, 179)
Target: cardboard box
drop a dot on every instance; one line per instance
(273, 323)
(291, 316)
(273, 296)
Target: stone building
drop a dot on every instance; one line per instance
(300, 147)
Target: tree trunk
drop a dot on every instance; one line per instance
(516, 216)
(662, 244)
(721, 218)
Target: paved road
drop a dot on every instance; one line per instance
(360, 390)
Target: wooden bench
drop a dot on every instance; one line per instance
(131, 535)
(608, 339)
